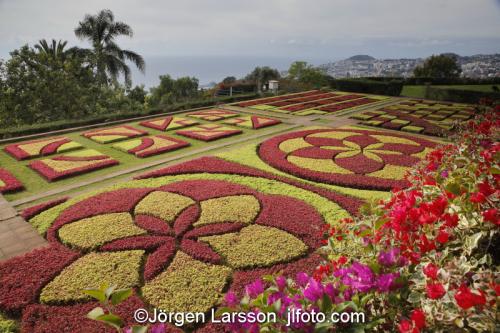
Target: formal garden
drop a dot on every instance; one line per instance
(318, 201)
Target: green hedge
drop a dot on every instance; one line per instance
(417, 81)
(458, 95)
(391, 88)
(11, 132)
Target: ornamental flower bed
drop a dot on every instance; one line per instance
(277, 98)
(112, 134)
(347, 157)
(348, 105)
(180, 239)
(426, 260)
(42, 147)
(418, 116)
(212, 114)
(152, 145)
(303, 99)
(254, 122)
(209, 132)
(320, 102)
(9, 183)
(168, 123)
(72, 164)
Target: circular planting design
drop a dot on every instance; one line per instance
(354, 158)
(181, 244)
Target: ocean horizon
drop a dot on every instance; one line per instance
(210, 68)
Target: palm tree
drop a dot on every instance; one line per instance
(55, 50)
(108, 58)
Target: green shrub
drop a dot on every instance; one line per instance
(391, 88)
(458, 95)
(11, 132)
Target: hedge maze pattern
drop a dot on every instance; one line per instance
(112, 134)
(42, 147)
(181, 238)
(152, 145)
(353, 158)
(71, 164)
(168, 123)
(418, 116)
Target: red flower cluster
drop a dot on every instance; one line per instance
(11, 184)
(466, 299)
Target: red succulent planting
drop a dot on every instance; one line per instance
(29, 212)
(9, 183)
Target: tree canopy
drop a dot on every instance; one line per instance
(439, 66)
(109, 59)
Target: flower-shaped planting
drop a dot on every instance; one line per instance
(212, 114)
(42, 147)
(418, 116)
(9, 183)
(72, 164)
(112, 134)
(254, 122)
(209, 132)
(354, 158)
(153, 145)
(168, 123)
(182, 243)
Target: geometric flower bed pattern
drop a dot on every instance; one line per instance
(346, 157)
(314, 103)
(254, 122)
(269, 100)
(209, 132)
(72, 164)
(42, 147)
(181, 240)
(212, 114)
(112, 134)
(152, 145)
(168, 123)
(9, 183)
(417, 116)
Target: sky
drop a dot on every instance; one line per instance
(299, 29)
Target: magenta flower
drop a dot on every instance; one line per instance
(302, 279)
(231, 299)
(254, 289)
(385, 281)
(389, 258)
(281, 282)
(313, 291)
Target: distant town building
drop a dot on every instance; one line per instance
(477, 66)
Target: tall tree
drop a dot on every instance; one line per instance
(307, 74)
(262, 74)
(108, 58)
(439, 66)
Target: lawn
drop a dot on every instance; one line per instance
(419, 91)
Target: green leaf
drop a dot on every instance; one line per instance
(120, 295)
(95, 313)
(111, 319)
(109, 291)
(326, 304)
(139, 329)
(95, 293)
(277, 305)
(453, 188)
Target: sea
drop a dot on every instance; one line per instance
(209, 69)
